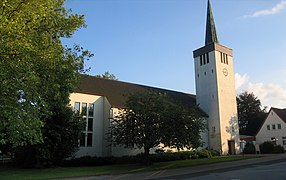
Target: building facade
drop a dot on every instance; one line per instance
(273, 128)
(215, 90)
(98, 99)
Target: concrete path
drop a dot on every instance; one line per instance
(183, 173)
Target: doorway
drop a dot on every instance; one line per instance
(231, 147)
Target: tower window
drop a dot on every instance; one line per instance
(221, 58)
(201, 61)
(208, 60)
(205, 73)
(204, 57)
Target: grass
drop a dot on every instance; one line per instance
(64, 172)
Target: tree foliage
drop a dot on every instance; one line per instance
(151, 118)
(250, 113)
(107, 75)
(37, 73)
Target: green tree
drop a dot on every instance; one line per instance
(107, 75)
(250, 113)
(150, 119)
(37, 74)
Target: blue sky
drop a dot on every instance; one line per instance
(151, 42)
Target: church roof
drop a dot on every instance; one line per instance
(211, 35)
(117, 91)
(280, 112)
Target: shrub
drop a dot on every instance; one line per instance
(278, 149)
(214, 153)
(204, 154)
(267, 147)
(249, 148)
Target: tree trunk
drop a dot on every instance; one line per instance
(147, 160)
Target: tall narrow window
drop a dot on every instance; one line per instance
(278, 126)
(273, 126)
(89, 139)
(77, 107)
(90, 124)
(221, 58)
(84, 109)
(208, 60)
(90, 110)
(82, 139)
(226, 59)
(268, 127)
(204, 57)
(201, 60)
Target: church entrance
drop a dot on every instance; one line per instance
(231, 147)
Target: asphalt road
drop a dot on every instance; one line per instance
(272, 167)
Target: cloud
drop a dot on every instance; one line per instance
(274, 10)
(271, 95)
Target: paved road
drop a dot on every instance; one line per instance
(271, 167)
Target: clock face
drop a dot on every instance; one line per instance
(225, 72)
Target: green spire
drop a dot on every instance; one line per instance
(211, 35)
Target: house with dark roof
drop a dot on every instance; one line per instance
(273, 128)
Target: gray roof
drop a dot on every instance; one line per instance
(280, 112)
(211, 35)
(117, 91)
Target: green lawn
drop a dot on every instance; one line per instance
(61, 172)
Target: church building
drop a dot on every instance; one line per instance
(98, 100)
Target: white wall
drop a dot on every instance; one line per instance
(215, 94)
(266, 135)
(100, 119)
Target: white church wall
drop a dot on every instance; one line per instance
(96, 148)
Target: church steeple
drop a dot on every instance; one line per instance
(211, 35)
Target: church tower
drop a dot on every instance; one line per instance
(215, 90)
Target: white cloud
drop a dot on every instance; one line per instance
(274, 10)
(271, 95)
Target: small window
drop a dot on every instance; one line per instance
(90, 110)
(201, 61)
(89, 139)
(284, 137)
(284, 142)
(90, 124)
(226, 59)
(213, 129)
(208, 58)
(77, 107)
(278, 126)
(268, 127)
(84, 109)
(205, 73)
(273, 126)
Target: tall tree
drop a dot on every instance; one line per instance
(250, 113)
(150, 119)
(37, 73)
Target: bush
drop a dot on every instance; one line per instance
(204, 154)
(214, 153)
(249, 148)
(278, 149)
(159, 157)
(267, 147)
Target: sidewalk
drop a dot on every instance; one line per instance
(201, 169)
